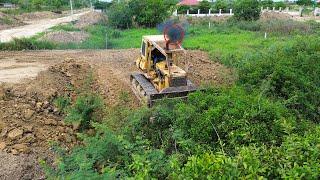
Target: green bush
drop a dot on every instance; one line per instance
(247, 10)
(83, 110)
(204, 6)
(297, 158)
(266, 3)
(220, 4)
(229, 116)
(288, 73)
(119, 15)
(147, 13)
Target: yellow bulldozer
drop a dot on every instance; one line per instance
(159, 76)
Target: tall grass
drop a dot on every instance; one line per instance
(26, 44)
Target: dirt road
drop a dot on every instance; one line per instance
(36, 27)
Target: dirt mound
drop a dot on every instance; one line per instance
(29, 120)
(90, 19)
(7, 21)
(37, 15)
(66, 37)
(265, 16)
(203, 71)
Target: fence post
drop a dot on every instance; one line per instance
(219, 12)
(287, 9)
(230, 11)
(209, 12)
(274, 9)
(175, 12)
(280, 9)
(267, 9)
(315, 11)
(188, 12)
(198, 11)
(300, 11)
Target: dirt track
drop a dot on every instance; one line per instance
(35, 27)
(28, 119)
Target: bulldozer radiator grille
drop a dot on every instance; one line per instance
(176, 82)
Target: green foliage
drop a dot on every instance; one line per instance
(304, 2)
(83, 110)
(289, 73)
(26, 44)
(62, 103)
(147, 13)
(220, 4)
(119, 15)
(204, 6)
(281, 4)
(297, 158)
(266, 3)
(247, 10)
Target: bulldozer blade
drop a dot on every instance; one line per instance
(147, 93)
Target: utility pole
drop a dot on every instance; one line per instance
(71, 7)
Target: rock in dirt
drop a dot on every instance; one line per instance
(2, 145)
(15, 133)
(28, 114)
(23, 148)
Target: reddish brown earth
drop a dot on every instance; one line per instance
(29, 121)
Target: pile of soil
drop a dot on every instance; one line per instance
(29, 121)
(91, 18)
(66, 37)
(203, 71)
(7, 21)
(265, 16)
(38, 15)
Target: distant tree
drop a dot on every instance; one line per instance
(304, 2)
(204, 6)
(119, 15)
(247, 10)
(220, 4)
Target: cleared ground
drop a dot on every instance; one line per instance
(31, 80)
(36, 27)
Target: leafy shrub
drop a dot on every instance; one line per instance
(83, 110)
(289, 73)
(119, 15)
(230, 117)
(204, 6)
(220, 4)
(62, 103)
(281, 4)
(247, 10)
(304, 2)
(297, 158)
(267, 3)
(146, 13)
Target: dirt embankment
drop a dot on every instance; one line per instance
(7, 21)
(66, 37)
(29, 121)
(28, 118)
(91, 18)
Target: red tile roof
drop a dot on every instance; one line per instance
(189, 2)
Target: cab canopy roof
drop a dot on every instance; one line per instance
(159, 42)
